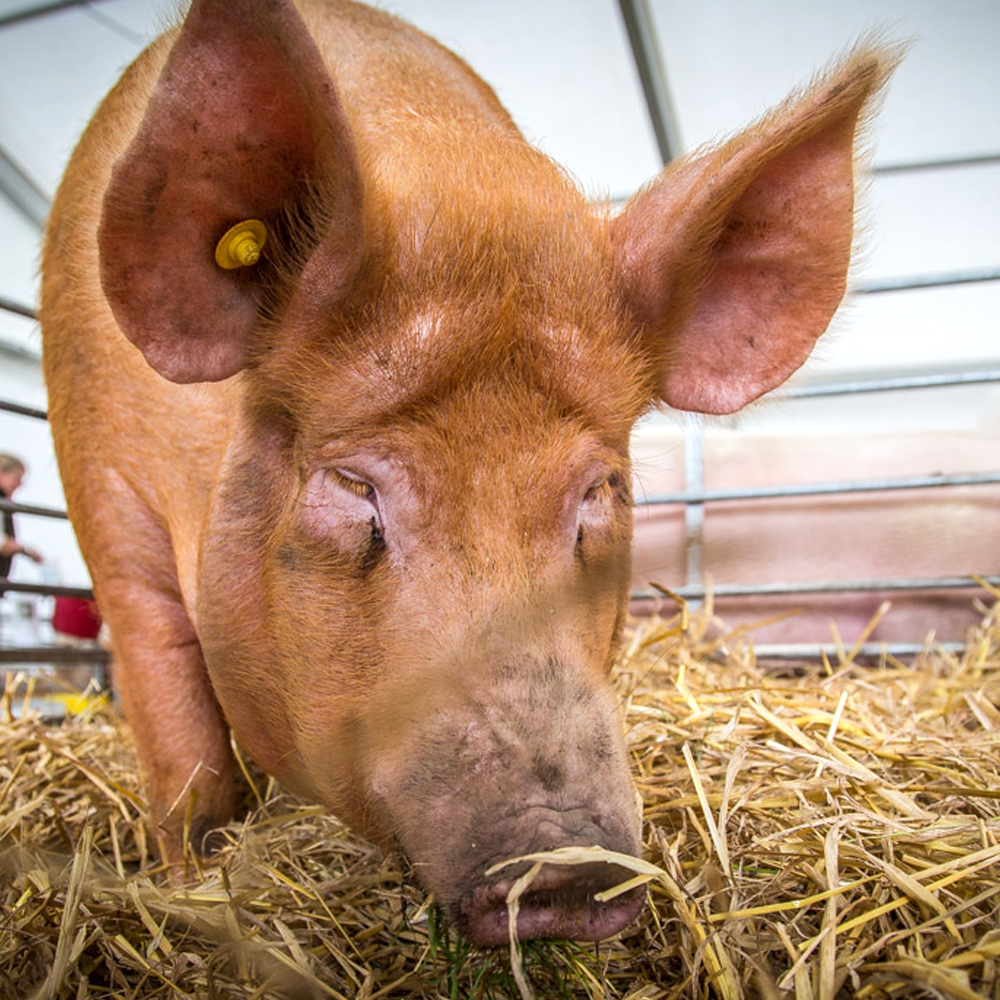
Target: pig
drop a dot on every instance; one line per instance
(353, 484)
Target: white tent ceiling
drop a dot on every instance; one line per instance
(566, 70)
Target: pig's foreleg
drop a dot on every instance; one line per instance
(181, 736)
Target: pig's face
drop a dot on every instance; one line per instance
(424, 635)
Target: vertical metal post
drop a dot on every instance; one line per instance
(649, 65)
(694, 513)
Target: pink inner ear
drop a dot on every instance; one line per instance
(241, 122)
(777, 273)
(733, 262)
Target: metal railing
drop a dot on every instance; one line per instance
(59, 655)
(694, 498)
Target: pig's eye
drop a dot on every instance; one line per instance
(341, 507)
(597, 506)
(607, 491)
(375, 544)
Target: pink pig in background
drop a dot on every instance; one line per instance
(365, 500)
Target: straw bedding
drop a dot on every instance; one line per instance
(820, 831)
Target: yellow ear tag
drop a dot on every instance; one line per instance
(240, 246)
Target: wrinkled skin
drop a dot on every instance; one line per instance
(367, 503)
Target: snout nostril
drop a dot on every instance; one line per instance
(566, 898)
(560, 903)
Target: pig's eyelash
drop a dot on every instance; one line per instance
(608, 489)
(600, 491)
(353, 485)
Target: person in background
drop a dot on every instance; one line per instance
(11, 477)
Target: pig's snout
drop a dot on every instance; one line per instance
(474, 767)
(558, 903)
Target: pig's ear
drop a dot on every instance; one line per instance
(243, 123)
(734, 260)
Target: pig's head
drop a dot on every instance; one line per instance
(416, 564)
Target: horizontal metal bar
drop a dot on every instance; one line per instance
(23, 508)
(31, 11)
(818, 489)
(867, 650)
(697, 593)
(55, 654)
(45, 589)
(27, 411)
(8, 349)
(925, 281)
(17, 307)
(888, 384)
(943, 164)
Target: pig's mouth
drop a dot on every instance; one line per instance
(559, 903)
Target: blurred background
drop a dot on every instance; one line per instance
(613, 90)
